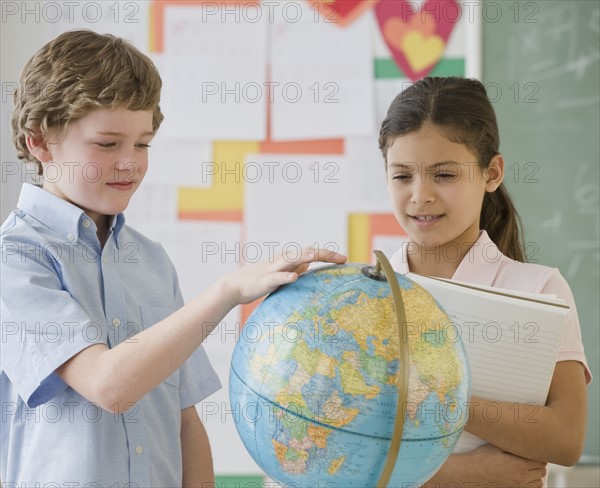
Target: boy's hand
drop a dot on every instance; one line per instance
(255, 280)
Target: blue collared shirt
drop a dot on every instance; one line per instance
(62, 292)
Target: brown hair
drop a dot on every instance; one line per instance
(75, 73)
(461, 108)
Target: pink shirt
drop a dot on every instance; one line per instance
(484, 264)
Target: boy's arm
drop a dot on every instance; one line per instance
(553, 433)
(117, 378)
(195, 451)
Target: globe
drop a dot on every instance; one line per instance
(316, 374)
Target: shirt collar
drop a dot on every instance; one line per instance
(64, 218)
(480, 264)
(115, 225)
(54, 212)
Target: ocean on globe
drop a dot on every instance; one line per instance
(314, 377)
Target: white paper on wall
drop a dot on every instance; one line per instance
(179, 162)
(215, 72)
(150, 206)
(294, 201)
(322, 75)
(366, 177)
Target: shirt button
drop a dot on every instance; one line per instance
(86, 224)
(139, 449)
(116, 322)
(71, 236)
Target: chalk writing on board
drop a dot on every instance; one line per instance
(553, 224)
(594, 24)
(558, 28)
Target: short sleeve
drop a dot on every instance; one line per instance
(197, 378)
(571, 347)
(42, 325)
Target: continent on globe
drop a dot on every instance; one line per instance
(318, 385)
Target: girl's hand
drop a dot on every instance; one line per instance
(252, 281)
(503, 469)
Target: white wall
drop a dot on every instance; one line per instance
(21, 35)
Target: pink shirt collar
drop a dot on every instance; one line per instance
(480, 265)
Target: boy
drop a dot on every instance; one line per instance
(101, 361)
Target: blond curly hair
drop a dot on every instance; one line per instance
(75, 73)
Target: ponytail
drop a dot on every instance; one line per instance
(500, 220)
(462, 109)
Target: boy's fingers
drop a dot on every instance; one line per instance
(282, 278)
(324, 255)
(293, 260)
(330, 256)
(302, 268)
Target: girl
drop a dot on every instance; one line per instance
(440, 144)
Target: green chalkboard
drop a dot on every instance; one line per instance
(541, 69)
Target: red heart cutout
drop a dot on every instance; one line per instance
(417, 39)
(394, 29)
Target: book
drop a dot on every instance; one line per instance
(511, 339)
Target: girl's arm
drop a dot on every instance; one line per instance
(488, 466)
(117, 378)
(553, 433)
(534, 435)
